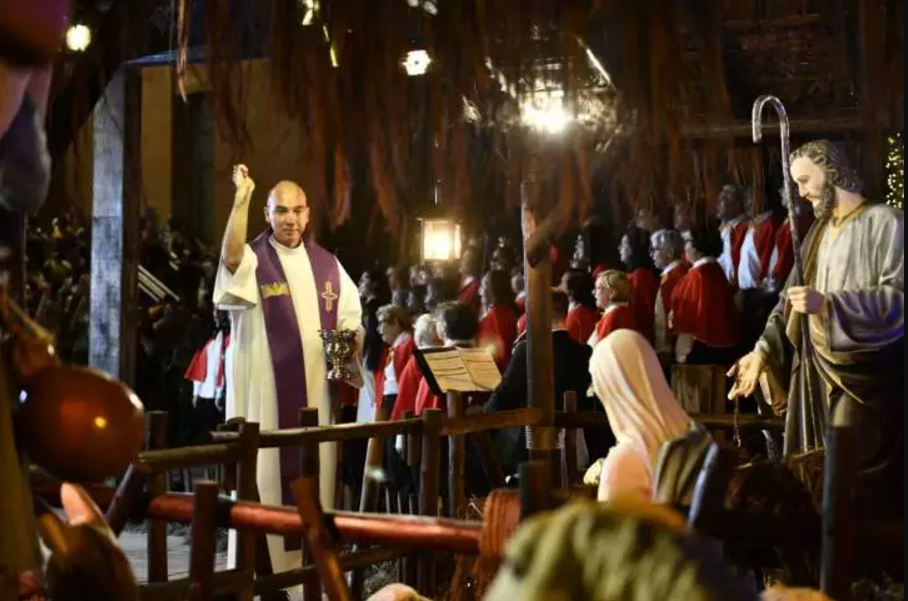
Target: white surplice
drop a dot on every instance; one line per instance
(251, 391)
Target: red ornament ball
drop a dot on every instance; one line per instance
(80, 424)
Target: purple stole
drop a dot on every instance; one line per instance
(286, 345)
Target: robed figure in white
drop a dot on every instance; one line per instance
(279, 290)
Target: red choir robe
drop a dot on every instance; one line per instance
(426, 400)
(733, 235)
(617, 316)
(663, 331)
(522, 324)
(581, 322)
(645, 286)
(209, 355)
(400, 355)
(469, 294)
(782, 259)
(407, 388)
(703, 306)
(497, 332)
(379, 375)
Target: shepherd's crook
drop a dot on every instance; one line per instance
(757, 124)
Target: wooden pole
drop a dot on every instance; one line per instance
(204, 533)
(371, 486)
(428, 491)
(837, 563)
(156, 423)
(541, 439)
(569, 473)
(247, 490)
(409, 562)
(309, 468)
(535, 488)
(456, 458)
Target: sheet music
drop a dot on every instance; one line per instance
(463, 370)
(481, 367)
(449, 370)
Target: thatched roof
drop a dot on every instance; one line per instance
(683, 76)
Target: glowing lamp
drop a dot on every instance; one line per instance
(440, 240)
(416, 63)
(78, 37)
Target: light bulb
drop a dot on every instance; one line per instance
(78, 37)
(417, 62)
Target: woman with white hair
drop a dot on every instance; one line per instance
(641, 409)
(425, 335)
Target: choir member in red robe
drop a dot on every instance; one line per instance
(667, 249)
(470, 272)
(703, 312)
(396, 331)
(582, 313)
(733, 226)
(782, 259)
(425, 336)
(756, 252)
(613, 295)
(498, 326)
(634, 253)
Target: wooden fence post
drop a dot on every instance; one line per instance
(309, 467)
(837, 564)
(204, 533)
(428, 490)
(569, 470)
(157, 485)
(456, 458)
(247, 490)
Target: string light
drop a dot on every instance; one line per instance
(895, 172)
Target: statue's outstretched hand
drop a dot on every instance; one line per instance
(746, 373)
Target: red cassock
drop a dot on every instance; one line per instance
(581, 323)
(400, 355)
(764, 228)
(645, 286)
(703, 305)
(784, 252)
(498, 331)
(407, 388)
(616, 317)
(198, 367)
(469, 294)
(522, 323)
(668, 285)
(425, 399)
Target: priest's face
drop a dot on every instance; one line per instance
(813, 186)
(287, 212)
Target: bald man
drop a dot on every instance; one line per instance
(280, 290)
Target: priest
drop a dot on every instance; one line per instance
(847, 368)
(280, 290)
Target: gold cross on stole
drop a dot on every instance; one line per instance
(329, 296)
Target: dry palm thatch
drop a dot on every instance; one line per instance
(336, 64)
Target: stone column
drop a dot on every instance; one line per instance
(115, 213)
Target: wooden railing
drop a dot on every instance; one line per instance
(143, 493)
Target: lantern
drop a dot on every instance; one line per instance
(440, 239)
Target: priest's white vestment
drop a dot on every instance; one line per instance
(251, 391)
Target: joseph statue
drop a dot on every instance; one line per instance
(280, 289)
(853, 294)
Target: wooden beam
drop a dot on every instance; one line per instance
(743, 129)
(115, 42)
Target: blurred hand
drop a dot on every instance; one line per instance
(806, 300)
(244, 184)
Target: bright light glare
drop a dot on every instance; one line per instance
(440, 240)
(545, 112)
(78, 37)
(417, 62)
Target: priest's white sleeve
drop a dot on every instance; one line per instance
(349, 309)
(237, 291)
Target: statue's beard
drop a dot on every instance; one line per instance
(823, 209)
